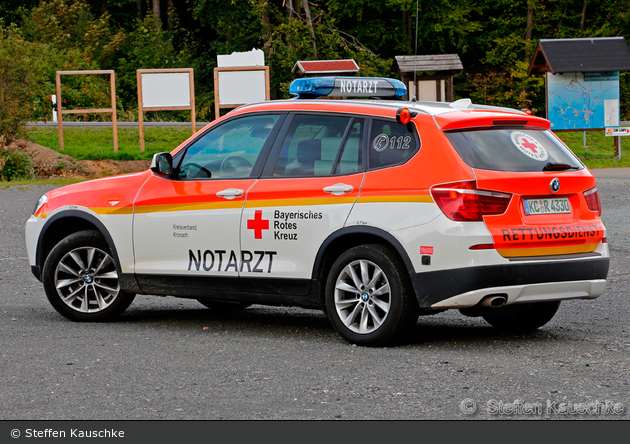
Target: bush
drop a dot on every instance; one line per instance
(15, 165)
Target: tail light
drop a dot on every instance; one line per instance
(462, 201)
(592, 200)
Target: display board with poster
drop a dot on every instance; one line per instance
(583, 101)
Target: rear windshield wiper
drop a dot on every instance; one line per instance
(553, 166)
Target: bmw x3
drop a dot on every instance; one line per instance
(374, 210)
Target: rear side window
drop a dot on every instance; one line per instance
(517, 150)
(391, 143)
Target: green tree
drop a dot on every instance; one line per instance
(12, 11)
(17, 84)
(70, 25)
(494, 38)
(147, 47)
(27, 78)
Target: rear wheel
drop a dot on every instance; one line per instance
(81, 280)
(368, 298)
(522, 317)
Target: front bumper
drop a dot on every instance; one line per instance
(32, 230)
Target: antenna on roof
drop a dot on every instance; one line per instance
(415, 83)
(462, 104)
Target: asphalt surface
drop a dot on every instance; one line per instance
(170, 358)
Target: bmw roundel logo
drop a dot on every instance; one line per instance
(554, 186)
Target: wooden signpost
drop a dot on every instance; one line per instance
(617, 133)
(112, 110)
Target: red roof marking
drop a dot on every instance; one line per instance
(329, 65)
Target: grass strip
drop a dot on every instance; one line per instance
(96, 143)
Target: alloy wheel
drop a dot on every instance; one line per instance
(362, 296)
(86, 280)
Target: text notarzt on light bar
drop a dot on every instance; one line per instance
(359, 86)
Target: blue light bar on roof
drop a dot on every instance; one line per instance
(313, 87)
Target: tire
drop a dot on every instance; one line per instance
(224, 306)
(81, 279)
(521, 318)
(368, 296)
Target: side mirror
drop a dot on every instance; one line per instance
(162, 164)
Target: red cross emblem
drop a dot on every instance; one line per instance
(531, 146)
(257, 224)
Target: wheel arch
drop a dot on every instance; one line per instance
(346, 238)
(64, 224)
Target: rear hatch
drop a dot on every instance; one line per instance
(551, 205)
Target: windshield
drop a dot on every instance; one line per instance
(513, 150)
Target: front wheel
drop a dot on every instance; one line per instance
(368, 298)
(522, 317)
(81, 280)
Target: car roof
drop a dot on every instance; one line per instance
(458, 115)
(430, 108)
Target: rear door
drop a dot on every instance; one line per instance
(308, 187)
(554, 208)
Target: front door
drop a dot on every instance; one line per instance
(186, 227)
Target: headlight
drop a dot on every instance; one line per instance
(40, 202)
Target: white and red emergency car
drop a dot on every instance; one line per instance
(376, 211)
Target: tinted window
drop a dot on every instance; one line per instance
(391, 143)
(228, 151)
(511, 149)
(318, 145)
(351, 154)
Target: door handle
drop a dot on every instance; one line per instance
(338, 189)
(230, 193)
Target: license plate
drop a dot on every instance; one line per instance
(547, 206)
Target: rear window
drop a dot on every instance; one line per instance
(512, 150)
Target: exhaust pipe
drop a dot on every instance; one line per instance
(494, 301)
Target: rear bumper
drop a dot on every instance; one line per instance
(522, 282)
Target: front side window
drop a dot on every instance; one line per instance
(318, 145)
(391, 143)
(228, 151)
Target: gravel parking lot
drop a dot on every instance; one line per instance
(170, 358)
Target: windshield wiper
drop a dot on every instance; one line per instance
(554, 166)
